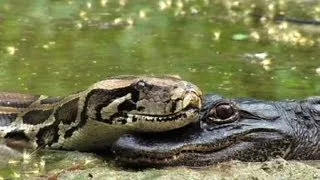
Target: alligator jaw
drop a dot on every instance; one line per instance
(194, 146)
(231, 129)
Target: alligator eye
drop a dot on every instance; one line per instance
(223, 113)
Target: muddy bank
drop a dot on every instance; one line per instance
(275, 169)
(75, 165)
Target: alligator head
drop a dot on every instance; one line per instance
(231, 129)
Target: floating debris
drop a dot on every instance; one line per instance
(266, 62)
(192, 70)
(79, 25)
(83, 15)
(11, 50)
(259, 56)
(130, 21)
(142, 14)
(118, 21)
(194, 10)
(240, 37)
(89, 5)
(103, 3)
(122, 2)
(216, 35)
(262, 58)
(179, 4)
(255, 35)
(165, 4)
(45, 46)
(48, 45)
(318, 70)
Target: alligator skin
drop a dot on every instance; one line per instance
(231, 129)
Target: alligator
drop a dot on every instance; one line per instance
(92, 119)
(248, 130)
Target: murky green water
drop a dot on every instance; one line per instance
(57, 47)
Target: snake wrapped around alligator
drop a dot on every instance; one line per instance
(92, 119)
(231, 129)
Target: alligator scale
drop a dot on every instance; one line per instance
(92, 119)
(232, 129)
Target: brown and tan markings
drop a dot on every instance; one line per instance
(92, 119)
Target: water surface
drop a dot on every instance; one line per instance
(57, 47)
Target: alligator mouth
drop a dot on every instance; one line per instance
(145, 155)
(194, 147)
(159, 159)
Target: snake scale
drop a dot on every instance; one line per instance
(92, 119)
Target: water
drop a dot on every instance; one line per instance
(59, 47)
(234, 48)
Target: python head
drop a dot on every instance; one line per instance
(144, 103)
